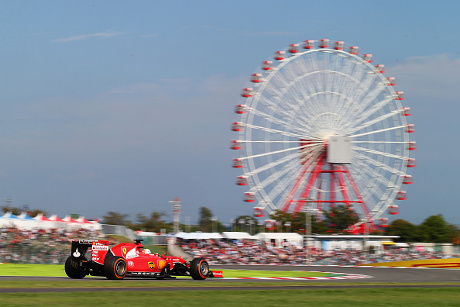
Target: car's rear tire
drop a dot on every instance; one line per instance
(73, 272)
(199, 269)
(115, 267)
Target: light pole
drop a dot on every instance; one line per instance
(213, 220)
(307, 230)
(176, 213)
(241, 221)
(288, 226)
(366, 237)
(187, 223)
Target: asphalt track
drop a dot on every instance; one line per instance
(411, 277)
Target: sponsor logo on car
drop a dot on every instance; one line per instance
(151, 265)
(100, 248)
(87, 241)
(161, 264)
(130, 263)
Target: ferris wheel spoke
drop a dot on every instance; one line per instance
(275, 107)
(274, 131)
(270, 165)
(273, 176)
(366, 181)
(377, 131)
(274, 120)
(378, 142)
(364, 115)
(376, 120)
(366, 99)
(374, 176)
(369, 193)
(381, 165)
(385, 154)
(271, 152)
(283, 182)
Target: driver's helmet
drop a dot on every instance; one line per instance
(147, 251)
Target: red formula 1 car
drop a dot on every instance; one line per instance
(93, 257)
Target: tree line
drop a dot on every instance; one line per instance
(336, 220)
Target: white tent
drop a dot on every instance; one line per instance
(280, 239)
(8, 220)
(44, 222)
(198, 235)
(238, 236)
(57, 222)
(26, 222)
(84, 223)
(22, 221)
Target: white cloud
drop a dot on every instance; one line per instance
(430, 77)
(87, 36)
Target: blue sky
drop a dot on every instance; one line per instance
(121, 106)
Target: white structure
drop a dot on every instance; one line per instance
(280, 239)
(24, 221)
(231, 235)
(355, 242)
(199, 235)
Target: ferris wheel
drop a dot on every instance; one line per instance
(322, 126)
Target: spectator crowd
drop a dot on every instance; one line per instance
(250, 252)
(53, 247)
(39, 245)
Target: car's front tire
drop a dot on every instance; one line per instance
(199, 269)
(73, 272)
(115, 267)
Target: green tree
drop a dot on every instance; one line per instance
(205, 221)
(298, 222)
(115, 218)
(14, 210)
(284, 219)
(340, 217)
(434, 229)
(246, 223)
(454, 234)
(152, 223)
(406, 231)
(35, 212)
(17, 211)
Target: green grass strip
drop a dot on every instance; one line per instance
(301, 297)
(13, 269)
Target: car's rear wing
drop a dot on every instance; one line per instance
(86, 250)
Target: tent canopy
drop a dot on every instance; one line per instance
(238, 236)
(198, 235)
(10, 215)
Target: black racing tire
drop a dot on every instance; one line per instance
(115, 267)
(73, 272)
(199, 269)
